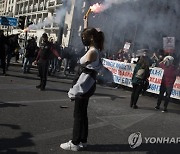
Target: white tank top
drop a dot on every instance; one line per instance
(95, 65)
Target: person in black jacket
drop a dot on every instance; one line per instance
(29, 55)
(140, 75)
(3, 42)
(44, 55)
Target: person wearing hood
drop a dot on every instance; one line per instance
(168, 79)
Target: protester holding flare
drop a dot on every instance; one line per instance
(84, 85)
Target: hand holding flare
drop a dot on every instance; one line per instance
(86, 18)
(96, 8)
(87, 13)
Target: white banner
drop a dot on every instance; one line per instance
(168, 43)
(122, 74)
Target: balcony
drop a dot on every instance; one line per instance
(27, 9)
(51, 4)
(59, 2)
(39, 20)
(35, 7)
(31, 7)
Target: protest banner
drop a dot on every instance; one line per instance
(169, 44)
(122, 74)
(127, 46)
(176, 89)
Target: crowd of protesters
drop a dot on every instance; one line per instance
(144, 59)
(26, 53)
(70, 55)
(131, 57)
(48, 58)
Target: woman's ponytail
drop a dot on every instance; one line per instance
(100, 40)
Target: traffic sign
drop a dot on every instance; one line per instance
(8, 21)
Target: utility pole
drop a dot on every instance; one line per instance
(7, 30)
(134, 39)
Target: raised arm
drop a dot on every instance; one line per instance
(86, 18)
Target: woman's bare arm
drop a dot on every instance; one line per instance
(86, 18)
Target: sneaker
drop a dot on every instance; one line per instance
(42, 89)
(82, 145)
(135, 107)
(157, 107)
(70, 146)
(38, 87)
(131, 104)
(165, 110)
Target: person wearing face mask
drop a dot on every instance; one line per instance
(84, 86)
(168, 79)
(42, 59)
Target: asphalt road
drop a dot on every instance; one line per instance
(37, 122)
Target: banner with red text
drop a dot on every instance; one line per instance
(122, 74)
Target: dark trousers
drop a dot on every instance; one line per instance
(3, 64)
(167, 90)
(80, 128)
(9, 56)
(137, 89)
(43, 69)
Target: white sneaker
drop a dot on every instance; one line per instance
(82, 145)
(70, 146)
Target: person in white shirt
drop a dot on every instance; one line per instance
(84, 87)
(134, 59)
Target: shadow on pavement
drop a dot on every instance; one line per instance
(10, 125)
(3, 104)
(24, 77)
(57, 90)
(147, 148)
(10, 145)
(113, 97)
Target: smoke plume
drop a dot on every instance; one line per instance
(58, 19)
(142, 22)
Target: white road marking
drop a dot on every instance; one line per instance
(51, 100)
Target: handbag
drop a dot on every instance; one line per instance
(140, 73)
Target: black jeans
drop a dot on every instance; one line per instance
(80, 128)
(43, 69)
(167, 90)
(3, 64)
(137, 89)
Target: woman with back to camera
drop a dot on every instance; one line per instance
(141, 73)
(84, 86)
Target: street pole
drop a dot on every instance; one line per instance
(25, 39)
(134, 39)
(25, 43)
(7, 30)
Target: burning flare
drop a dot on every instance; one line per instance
(96, 8)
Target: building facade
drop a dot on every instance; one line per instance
(36, 11)
(2, 7)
